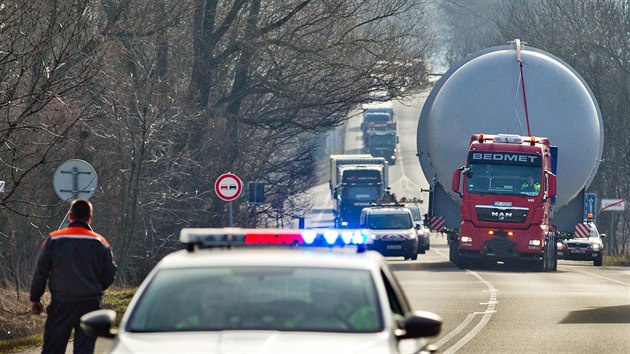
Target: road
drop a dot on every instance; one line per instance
(578, 309)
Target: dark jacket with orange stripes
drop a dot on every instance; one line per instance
(77, 263)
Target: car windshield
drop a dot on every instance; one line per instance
(415, 213)
(258, 298)
(389, 221)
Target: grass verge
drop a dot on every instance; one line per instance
(28, 329)
(617, 260)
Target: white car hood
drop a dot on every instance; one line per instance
(589, 240)
(250, 342)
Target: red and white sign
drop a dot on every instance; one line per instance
(582, 229)
(613, 205)
(437, 223)
(228, 186)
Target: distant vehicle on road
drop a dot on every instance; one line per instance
(589, 248)
(391, 230)
(220, 297)
(424, 241)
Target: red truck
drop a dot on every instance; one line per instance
(508, 185)
(524, 93)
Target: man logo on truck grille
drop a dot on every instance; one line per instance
(501, 215)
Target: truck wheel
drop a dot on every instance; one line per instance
(598, 261)
(465, 263)
(539, 266)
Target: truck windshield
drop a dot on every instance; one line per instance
(378, 118)
(389, 139)
(504, 179)
(366, 193)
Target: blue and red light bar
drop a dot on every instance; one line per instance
(228, 237)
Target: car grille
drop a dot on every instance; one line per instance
(578, 245)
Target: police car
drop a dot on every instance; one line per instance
(391, 230)
(227, 294)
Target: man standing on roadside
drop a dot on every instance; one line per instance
(78, 265)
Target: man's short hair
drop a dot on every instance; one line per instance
(81, 210)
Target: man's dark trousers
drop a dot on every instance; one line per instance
(62, 318)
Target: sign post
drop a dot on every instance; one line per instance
(616, 204)
(74, 179)
(590, 206)
(228, 187)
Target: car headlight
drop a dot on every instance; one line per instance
(373, 236)
(412, 235)
(559, 245)
(595, 246)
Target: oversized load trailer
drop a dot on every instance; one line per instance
(523, 92)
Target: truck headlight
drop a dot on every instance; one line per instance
(465, 239)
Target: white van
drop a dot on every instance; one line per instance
(391, 230)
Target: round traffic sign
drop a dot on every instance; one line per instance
(228, 186)
(75, 179)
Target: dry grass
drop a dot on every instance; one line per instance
(15, 318)
(20, 330)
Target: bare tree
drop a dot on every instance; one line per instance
(161, 97)
(49, 57)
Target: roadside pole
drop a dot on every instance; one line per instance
(613, 204)
(228, 187)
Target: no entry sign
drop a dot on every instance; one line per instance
(228, 186)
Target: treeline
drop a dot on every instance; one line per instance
(163, 96)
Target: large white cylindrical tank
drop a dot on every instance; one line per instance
(483, 94)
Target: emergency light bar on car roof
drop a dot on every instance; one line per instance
(238, 237)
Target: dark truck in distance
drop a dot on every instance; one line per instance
(355, 182)
(381, 143)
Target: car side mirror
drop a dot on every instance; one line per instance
(419, 324)
(417, 226)
(602, 235)
(99, 323)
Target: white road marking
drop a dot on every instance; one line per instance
(487, 314)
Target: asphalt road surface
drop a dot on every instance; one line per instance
(578, 309)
